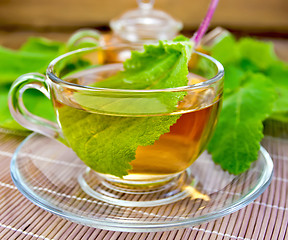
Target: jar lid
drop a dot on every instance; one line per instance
(145, 24)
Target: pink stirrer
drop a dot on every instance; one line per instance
(205, 23)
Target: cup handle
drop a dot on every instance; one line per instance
(20, 112)
(83, 36)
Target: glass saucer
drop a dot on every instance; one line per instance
(47, 173)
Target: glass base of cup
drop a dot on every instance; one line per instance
(138, 193)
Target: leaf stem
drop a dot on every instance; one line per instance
(205, 23)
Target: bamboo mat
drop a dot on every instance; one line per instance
(265, 218)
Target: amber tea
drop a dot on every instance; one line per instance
(175, 150)
(178, 149)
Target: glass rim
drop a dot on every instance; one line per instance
(53, 77)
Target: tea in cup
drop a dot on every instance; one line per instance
(133, 134)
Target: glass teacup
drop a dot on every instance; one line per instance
(108, 126)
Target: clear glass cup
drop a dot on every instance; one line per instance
(102, 117)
